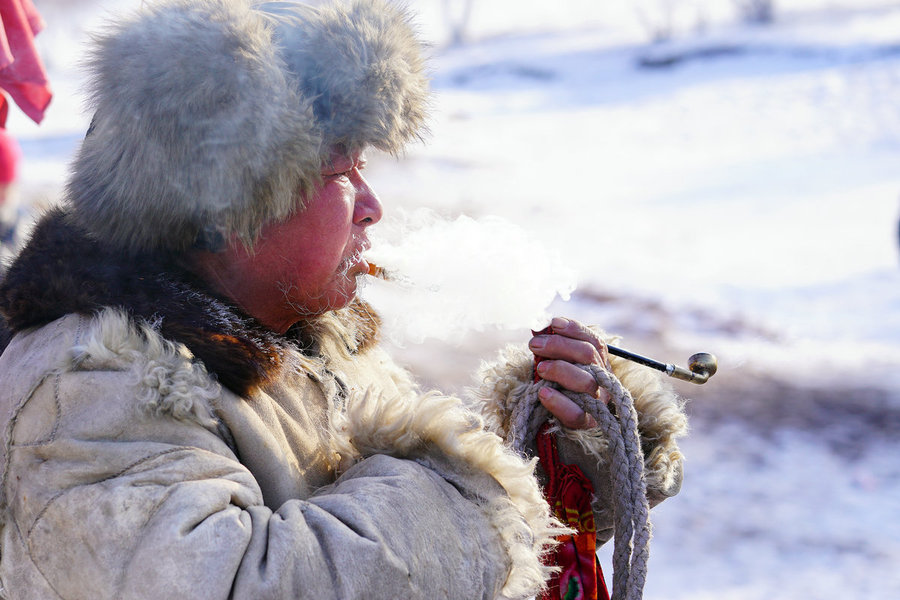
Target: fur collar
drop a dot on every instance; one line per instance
(62, 270)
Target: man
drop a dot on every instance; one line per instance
(194, 404)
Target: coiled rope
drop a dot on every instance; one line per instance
(631, 510)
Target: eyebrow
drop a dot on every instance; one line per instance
(339, 162)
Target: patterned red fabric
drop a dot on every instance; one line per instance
(569, 493)
(22, 73)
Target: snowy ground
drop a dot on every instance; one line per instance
(735, 190)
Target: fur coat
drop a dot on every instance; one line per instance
(158, 443)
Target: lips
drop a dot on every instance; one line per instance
(355, 263)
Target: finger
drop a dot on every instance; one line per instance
(576, 330)
(566, 412)
(573, 329)
(565, 348)
(571, 378)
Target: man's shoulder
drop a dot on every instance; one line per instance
(38, 349)
(109, 342)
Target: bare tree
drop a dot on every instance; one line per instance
(658, 19)
(457, 14)
(760, 12)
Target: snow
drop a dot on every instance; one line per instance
(742, 200)
(761, 183)
(782, 517)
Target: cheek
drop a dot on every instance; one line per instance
(319, 244)
(316, 259)
(328, 222)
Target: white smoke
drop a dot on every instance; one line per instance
(451, 277)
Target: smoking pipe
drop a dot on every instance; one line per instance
(701, 366)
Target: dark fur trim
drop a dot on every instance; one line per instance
(62, 270)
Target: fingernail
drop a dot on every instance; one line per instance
(542, 368)
(559, 323)
(537, 342)
(544, 393)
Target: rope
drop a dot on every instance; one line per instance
(631, 510)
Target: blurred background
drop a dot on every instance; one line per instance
(692, 175)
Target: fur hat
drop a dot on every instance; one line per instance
(211, 115)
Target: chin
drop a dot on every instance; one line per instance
(336, 302)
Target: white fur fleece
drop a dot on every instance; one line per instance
(410, 426)
(168, 381)
(661, 418)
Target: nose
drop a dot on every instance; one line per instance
(367, 209)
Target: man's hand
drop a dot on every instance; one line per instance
(571, 344)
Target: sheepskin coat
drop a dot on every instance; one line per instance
(156, 443)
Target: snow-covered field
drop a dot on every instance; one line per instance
(735, 189)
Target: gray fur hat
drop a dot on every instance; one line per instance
(211, 115)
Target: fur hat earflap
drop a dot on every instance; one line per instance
(202, 131)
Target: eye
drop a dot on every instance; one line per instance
(343, 168)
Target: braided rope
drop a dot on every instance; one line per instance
(631, 509)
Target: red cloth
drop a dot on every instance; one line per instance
(22, 73)
(569, 493)
(10, 154)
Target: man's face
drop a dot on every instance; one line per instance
(309, 263)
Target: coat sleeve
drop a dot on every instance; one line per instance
(661, 422)
(105, 502)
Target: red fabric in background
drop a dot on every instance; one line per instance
(22, 73)
(10, 156)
